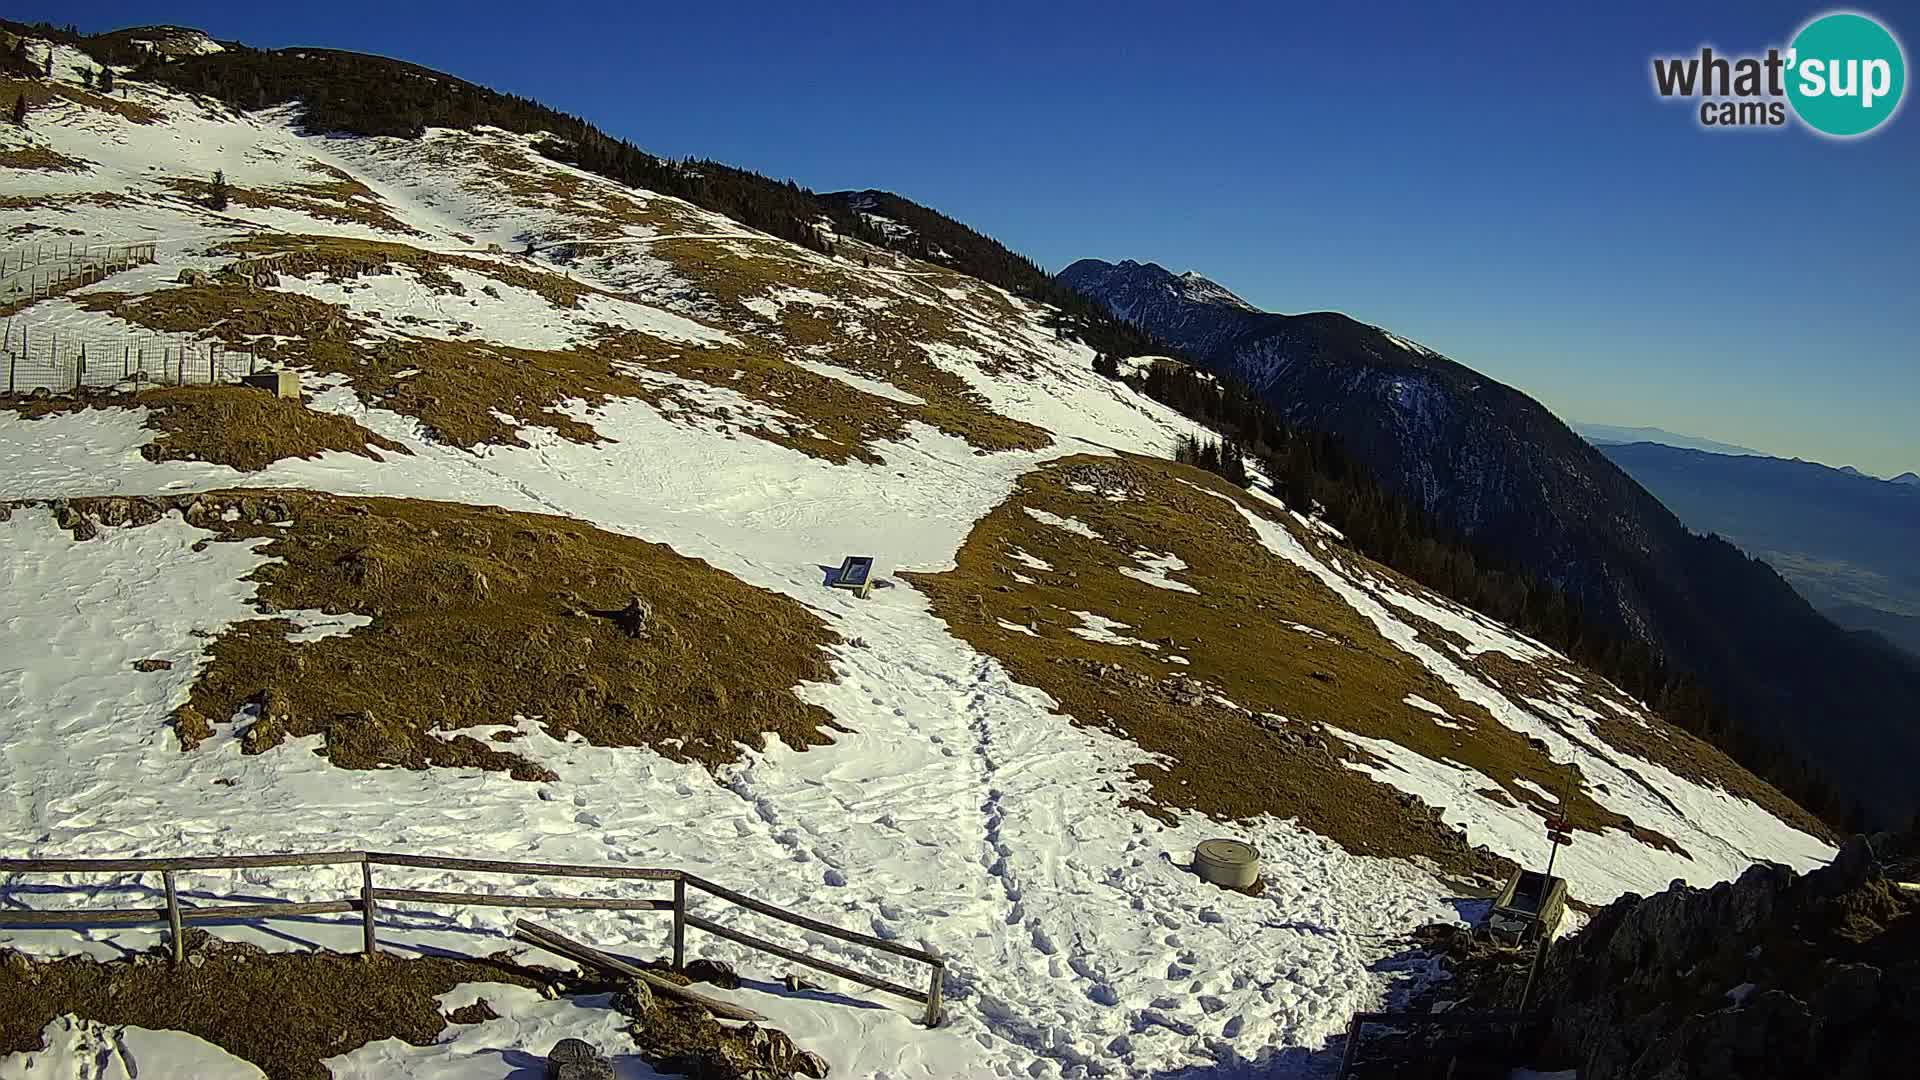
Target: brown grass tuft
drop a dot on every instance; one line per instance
(481, 616)
(39, 157)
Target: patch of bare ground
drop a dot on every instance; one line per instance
(66, 203)
(238, 426)
(1278, 747)
(460, 389)
(317, 1005)
(347, 202)
(1553, 681)
(341, 258)
(483, 616)
(40, 157)
(599, 209)
(40, 92)
(882, 339)
(288, 1013)
(1652, 739)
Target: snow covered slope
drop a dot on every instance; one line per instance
(650, 371)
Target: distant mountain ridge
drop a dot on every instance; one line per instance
(1845, 540)
(1613, 434)
(1509, 475)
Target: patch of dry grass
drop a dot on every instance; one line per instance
(342, 258)
(1238, 633)
(600, 209)
(40, 92)
(885, 345)
(347, 202)
(318, 1005)
(481, 615)
(1669, 747)
(40, 157)
(239, 426)
(457, 388)
(247, 428)
(288, 1013)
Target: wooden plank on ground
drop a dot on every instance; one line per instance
(555, 942)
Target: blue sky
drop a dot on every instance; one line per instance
(1499, 183)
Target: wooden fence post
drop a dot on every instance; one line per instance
(1348, 1052)
(679, 923)
(173, 920)
(368, 945)
(933, 994)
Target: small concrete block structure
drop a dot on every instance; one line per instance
(281, 384)
(856, 574)
(1229, 864)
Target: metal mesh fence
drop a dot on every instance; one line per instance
(31, 270)
(59, 363)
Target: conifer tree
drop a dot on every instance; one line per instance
(106, 80)
(20, 110)
(86, 77)
(217, 198)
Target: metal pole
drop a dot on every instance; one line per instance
(173, 919)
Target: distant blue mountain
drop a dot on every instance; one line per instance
(1613, 434)
(1844, 539)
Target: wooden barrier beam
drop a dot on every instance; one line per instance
(588, 956)
(81, 917)
(499, 900)
(276, 910)
(785, 953)
(202, 862)
(499, 866)
(815, 925)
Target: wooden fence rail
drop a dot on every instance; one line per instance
(175, 915)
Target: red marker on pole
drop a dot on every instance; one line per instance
(1559, 831)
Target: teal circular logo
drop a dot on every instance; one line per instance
(1846, 73)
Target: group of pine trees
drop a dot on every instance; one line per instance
(1222, 457)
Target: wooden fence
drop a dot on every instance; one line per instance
(1351, 1056)
(175, 915)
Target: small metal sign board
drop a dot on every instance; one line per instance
(856, 574)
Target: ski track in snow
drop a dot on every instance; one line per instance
(958, 813)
